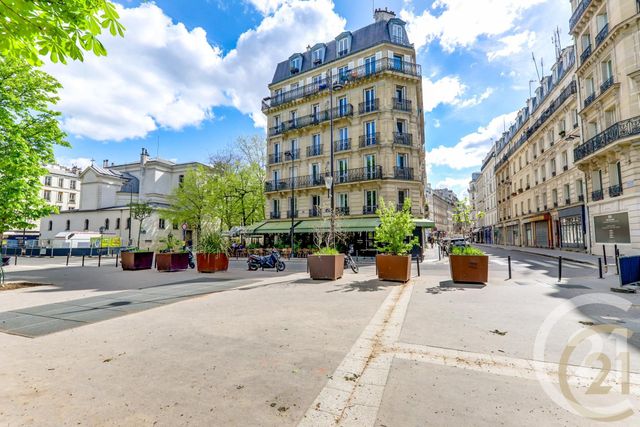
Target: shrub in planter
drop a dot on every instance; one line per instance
(170, 258)
(212, 253)
(469, 265)
(326, 264)
(394, 238)
(136, 259)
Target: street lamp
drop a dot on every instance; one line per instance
(329, 180)
(291, 154)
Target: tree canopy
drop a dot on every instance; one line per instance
(30, 29)
(29, 129)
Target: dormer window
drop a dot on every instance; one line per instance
(343, 46)
(397, 34)
(295, 64)
(317, 57)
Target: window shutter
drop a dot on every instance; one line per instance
(407, 58)
(378, 56)
(308, 80)
(360, 62)
(390, 53)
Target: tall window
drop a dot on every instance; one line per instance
(567, 194)
(72, 198)
(315, 173)
(67, 225)
(370, 165)
(343, 46)
(60, 197)
(276, 205)
(61, 182)
(117, 223)
(47, 195)
(371, 200)
(369, 100)
(615, 174)
(106, 223)
(370, 65)
(397, 35)
(343, 200)
(128, 225)
(343, 170)
(50, 225)
(343, 73)
(72, 184)
(317, 57)
(47, 181)
(401, 160)
(342, 106)
(596, 180)
(86, 224)
(295, 65)
(315, 112)
(343, 142)
(370, 133)
(397, 62)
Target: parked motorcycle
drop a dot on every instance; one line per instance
(270, 261)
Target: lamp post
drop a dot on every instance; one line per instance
(329, 180)
(291, 154)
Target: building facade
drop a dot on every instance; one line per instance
(368, 82)
(444, 202)
(61, 187)
(607, 34)
(104, 202)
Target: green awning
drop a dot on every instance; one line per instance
(424, 223)
(250, 229)
(274, 227)
(347, 225)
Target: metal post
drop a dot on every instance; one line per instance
(600, 268)
(331, 160)
(617, 258)
(117, 256)
(559, 269)
(99, 257)
(83, 260)
(418, 265)
(15, 261)
(604, 254)
(293, 194)
(509, 262)
(67, 260)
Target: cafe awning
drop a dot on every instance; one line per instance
(250, 229)
(345, 225)
(424, 223)
(274, 227)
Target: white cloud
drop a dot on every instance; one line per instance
(459, 186)
(471, 149)
(449, 90)
(81, 162)
(460, 23)
(266, 6)
(436, 123)
(513, 44)
(162, 74)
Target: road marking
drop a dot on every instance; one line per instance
(353, 394)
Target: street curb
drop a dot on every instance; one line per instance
(509, 248)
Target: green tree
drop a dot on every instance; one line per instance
(463, 215)
(192, 201)
(394, 234)
(60, 29)
(140, 211)
(28, 131)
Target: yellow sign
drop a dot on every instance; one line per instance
(105, 242)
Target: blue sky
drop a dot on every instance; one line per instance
(188, 77)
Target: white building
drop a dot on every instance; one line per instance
(61, 187)
(106, 194)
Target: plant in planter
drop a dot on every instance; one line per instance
(136, 259)
(212, 252)
(326, 263)
(171, 258)
(394, 238)
(468, 265)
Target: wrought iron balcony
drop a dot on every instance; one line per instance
(369, 106)
(555, 204)
(597, 195)
(602, 34)
(589, 100)
(314, 150)
(315, 211)
(565, 168)
(275, 215)
(349, 76)
(586, 53)
(342, 210)
(292, 214)
(338, 112)
(578, 12)
(403, 138)
(342, 145)
(403, 173)
(567, 201)
(615, 190)
(370, 139)
(401, 104)
(620, 130)
(606, 85)
(275, 158)
(581, 198)
(369, 210)
(340, 177)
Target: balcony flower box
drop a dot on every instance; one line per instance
(136, 260)
(329, 266)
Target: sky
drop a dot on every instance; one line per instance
(188, 77)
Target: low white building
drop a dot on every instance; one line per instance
(106, 194)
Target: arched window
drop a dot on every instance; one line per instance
(117, 223)
(86, 224)
(106, 223)
(68, 225)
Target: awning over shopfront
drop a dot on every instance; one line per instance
(424, 223)
(345, 225)
(274, 227)
(250, 229)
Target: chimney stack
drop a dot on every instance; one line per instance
(383, 15)
(144, 156)
(105, 163)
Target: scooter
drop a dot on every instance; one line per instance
(271, 261)
(192, 262)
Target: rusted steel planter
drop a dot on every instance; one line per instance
(469, 268)
(395, 268)
(173, 261)
(326, 267)
(136, 260)
(210, 263)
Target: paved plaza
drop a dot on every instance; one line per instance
(267, 348)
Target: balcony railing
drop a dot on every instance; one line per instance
(312, 119)
(353, 75)
(292, 214)
(369, 210)
(401, 104)
(606, 85)
(597, 195)
(369, 140)
(315, 211)
(369, 106)
(340, 177)
(567, 201)
(581, 198)
(620, 130)
(314, 150)
(589, 99)
(586, 53)
(342, 145)
(615, 190)
(402, 138)
(275, 215)
(602, 34)
(275, 158)
(342, 210)
(577, 13)
(403, 173)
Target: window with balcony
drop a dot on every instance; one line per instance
(538, 203)
(370, 103)
(343, 142)
(275, 209)
(602, 27)
(343, 106)
(316, 206)
(343, 74)
(316, 177)
(370, 202)
(592, 129)
(293, 118)
(567, 194)
(343, 203)
(370, 133)
(544, 200)
(370, 65)
(565, 160)
(370, 165)
(295, 64)
(615, 180)
(596, 185)
(343, 170)
(554, 197)
(609, 117)
(543, 173)
(397, 35)
(315, 112)
(575, 116)
(317, 56)
(343, 46)
(552, 167)
(316, 147)
(586, 47)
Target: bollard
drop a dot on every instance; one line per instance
(509, 262)
(439, 254)
(15, 261)
(67, 260)
(83, 260)
(600, 268)
(604, 254)
(117, 255)
(418, 265)
(99, 257)
(559, 269)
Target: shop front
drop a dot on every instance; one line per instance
(512, 234)
(572, 228)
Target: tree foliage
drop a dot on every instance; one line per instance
(28, 131)
(140, 211)
(394, 234)
(59, 29)
(463, 215)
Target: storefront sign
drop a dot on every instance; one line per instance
(613, 228)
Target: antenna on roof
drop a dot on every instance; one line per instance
(533, 56)
(158, 148)
(557, 43)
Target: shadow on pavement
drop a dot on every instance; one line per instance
(460, 285)
(366, 286)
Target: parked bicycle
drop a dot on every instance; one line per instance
(349, 262)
